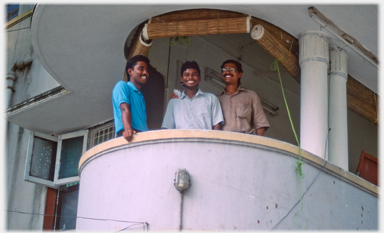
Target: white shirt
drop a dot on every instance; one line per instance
(203, 111)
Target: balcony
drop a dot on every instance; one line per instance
(238, 182)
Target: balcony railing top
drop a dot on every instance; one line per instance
(151, 137)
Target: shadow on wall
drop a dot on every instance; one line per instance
(153, 92)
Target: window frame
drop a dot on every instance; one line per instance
(63, 181)
(27, 176)
(56, 183)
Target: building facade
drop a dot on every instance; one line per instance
(63, 61)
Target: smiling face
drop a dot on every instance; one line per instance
(231, 75)
(190, 78)
(139, 74)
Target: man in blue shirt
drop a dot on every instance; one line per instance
(129, 109)
(194, 109)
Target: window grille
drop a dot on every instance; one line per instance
(102, 134)
(12, 11)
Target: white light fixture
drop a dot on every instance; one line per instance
(182, 180)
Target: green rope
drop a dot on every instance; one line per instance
(275, 66)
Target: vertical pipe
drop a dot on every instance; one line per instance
(314, 61)
(338, 136)
(11, 79)
(181, 211)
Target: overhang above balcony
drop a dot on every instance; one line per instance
(82, 47)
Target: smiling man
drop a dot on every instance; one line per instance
(241, 107)
(194, 109)
(129, 107)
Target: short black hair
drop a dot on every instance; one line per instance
(190, 65)
(237, 64)
(133, 61)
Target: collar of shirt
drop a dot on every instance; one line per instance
(183, 95)
(238, 90)
(133, 86)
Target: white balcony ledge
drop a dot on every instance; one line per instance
(239, 182)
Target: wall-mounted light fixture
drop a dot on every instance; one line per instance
(182, 180)
(214, 78)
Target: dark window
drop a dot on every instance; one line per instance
(12, 11)
(43, 159)
(67, 207)
(71, 151)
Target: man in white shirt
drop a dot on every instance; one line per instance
(194, 109)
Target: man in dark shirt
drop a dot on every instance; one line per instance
(241, 107)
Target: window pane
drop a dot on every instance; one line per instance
(12, 11)
(68, 208)
(71, 151)
(43, 158)
(103, 135)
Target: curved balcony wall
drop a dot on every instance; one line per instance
(238, 182)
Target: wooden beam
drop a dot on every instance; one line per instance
(348, 38)
(287, 40)
(362, 101)
(195, 15)
(273, 46)
(197, 27)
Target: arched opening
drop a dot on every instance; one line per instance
(213, 37)
(212, 48)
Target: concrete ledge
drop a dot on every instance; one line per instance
(161, 136)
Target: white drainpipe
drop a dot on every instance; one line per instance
(18, 66)
(11, 78)
(314, 61)
(338, 136)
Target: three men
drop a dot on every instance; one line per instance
(128, 102)
(194, 109)
(241, 107)
(236, 109)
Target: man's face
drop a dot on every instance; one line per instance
(230, 74)
(190, 78)
(139, 74)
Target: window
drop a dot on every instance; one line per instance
(53, 161)
(102, 133)
(61, 201)
(12, 11)
(61, 208)
(67, 207)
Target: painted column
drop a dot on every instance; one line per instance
(338, 136)
(314, 61)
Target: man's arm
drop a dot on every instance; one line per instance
(217, 113)
(217, 126)
(260, 131)
(260, 121)
(126, 119)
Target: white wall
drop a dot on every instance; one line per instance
(238, 182)
(25, 201)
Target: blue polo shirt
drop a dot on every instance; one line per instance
(126, 92)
